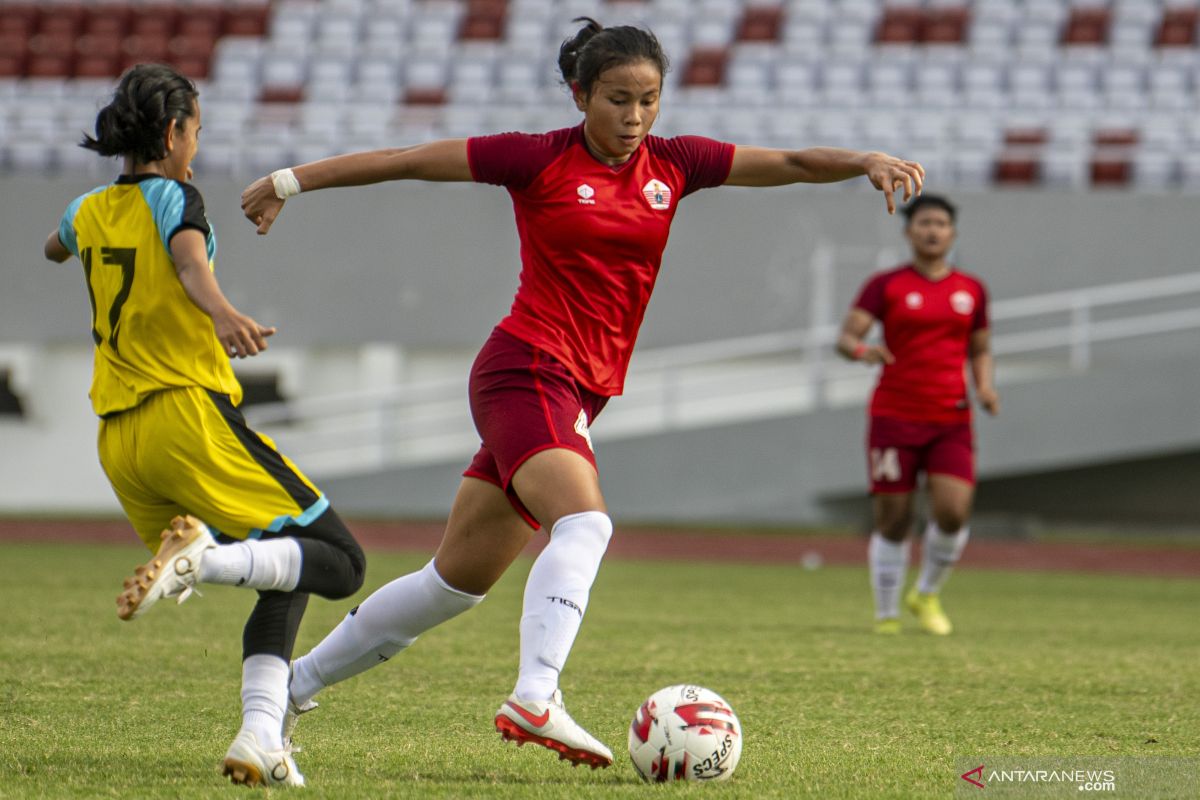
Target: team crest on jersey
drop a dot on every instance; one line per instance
(914, 300)
(586, 195)
(962, 302)
(657, 194)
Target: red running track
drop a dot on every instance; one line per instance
(649, 544)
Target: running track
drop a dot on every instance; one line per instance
(649, 544)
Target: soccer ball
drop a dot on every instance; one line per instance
(685, 733)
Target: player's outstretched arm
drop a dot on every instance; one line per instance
(443, 160)
(762, 166)
(239, 335)
(54, 249)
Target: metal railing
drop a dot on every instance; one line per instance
(726, 381)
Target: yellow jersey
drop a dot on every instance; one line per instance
(149, 335)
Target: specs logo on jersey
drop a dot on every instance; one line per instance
(581, 427)
(586, 193)
(914, 300)
(962, 302)
(657, 194)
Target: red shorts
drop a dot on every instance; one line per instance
(524, 401)
(897, 449)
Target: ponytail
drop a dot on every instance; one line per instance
(148, 97)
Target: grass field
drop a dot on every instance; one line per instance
(1041, 665)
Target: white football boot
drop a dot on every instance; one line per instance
(249, 764)
(173, 572)
(547, 723)
(291, 717)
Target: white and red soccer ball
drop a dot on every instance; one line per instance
(685, 733)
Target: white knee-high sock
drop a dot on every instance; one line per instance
(941, 553)
(264, 698)
(556, 597)
(888, 562)
(273, 564)
(380, 627)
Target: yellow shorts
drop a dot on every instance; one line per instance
(189, 451)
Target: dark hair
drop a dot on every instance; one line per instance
(596, 48)
(929, 201)
(148, 97)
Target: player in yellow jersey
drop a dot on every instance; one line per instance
(172, 441)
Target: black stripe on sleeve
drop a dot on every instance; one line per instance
(193, 212)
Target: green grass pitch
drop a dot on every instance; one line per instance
(1040, 665)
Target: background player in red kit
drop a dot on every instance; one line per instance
(934, 319)
(594, 205)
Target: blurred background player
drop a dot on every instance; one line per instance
(172, 441)
(934, 319)
(594, 205)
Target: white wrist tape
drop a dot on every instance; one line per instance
(285, 183)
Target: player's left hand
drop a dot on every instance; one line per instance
(989, 400)
(261, 205)
(240, 335)
(888, 173)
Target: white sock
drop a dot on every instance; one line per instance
(556, 597)
(264, 698)
(887, 562)
(941, 553)
(271, 564)
(380, 627)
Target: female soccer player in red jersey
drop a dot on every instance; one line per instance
(934, 320)
(594, 205)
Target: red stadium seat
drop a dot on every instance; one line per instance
(192, 25)
(1025, 137)
(19, 18)
(760, 24)
(155, 21)
(424, 97)
(11, 65)
(52, 45)
(136, 49)
(97, 66)
(191, 46)
(899, 26)
(484, 20)
(246, 21)
(194, 67)
(1017, 170)
(705, 67)
(1178, 28)
(1110, 170)
(108, 18)
(49, 66)
(944, 26)
(1115, 137)
(106, 45)
(282, 94)
(14, 45)
(1086, 26)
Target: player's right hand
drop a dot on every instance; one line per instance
(261, 205)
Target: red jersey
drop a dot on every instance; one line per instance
(927, 325)
(592, 237)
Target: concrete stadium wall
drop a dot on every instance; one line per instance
(434, 267)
